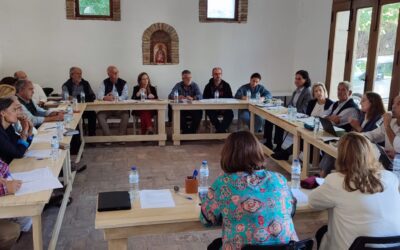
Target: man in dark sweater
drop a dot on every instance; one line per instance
(75, 86)
(215, 84)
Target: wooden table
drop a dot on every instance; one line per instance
(289, 126)
(32, 205)
(159, 105)
(118, 226)
(310, 139)
(205, 104)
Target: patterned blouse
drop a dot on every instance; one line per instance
(4, 170)
(252, 208)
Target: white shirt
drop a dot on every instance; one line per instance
(353, 214)
(38, 94)
(318, 110)
(379, 135)
(124, 95)
(344, 115)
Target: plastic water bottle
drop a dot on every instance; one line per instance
(203, 175)
(60, 130)
(83, 97)
(258, 97)
(54, 147)
(66, 96)
(396, 165)
(134, 183)
(216, 94)
(176, 96)
(316, 126)
(296, 171)
(290, 113)
(142, 95)
(248, 94)
(69, 114)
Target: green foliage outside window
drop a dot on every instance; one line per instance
(94, 7)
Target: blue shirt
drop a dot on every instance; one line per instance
(242, 91)
(192, 90)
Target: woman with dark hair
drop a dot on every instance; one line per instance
(373, 109)
(13, 145)
(362, 198)
(144, 86)
(300, 98)
(253, 205)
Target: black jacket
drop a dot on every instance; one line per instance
(136, 89)
(224, 90)
(311, 105)
(10, 148)
(90, 96)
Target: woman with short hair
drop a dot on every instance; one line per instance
(253, 205)
(362, 198)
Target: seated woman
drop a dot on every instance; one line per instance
(363, 199)
(9, 230)
(253, 205)
(373, 109)
(300, 98)
(316, 107)
(13, 145)
(144, 85)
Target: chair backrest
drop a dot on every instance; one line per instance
(372, 243)
(306, 244)
(48, 91)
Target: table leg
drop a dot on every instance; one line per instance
(296, 145)
(161, 125)
(37, 232)
(251, 122)
(316, 157)
(177, 126)
(67, 168)
(306, 154)
(82, 146)
(118, 244)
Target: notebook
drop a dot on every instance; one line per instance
(112, 201)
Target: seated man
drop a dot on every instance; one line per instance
(340, 113)
(188, 91)
(76, 85)
(389, 133)
(34, 113)
(39, 97)
(224, 89)
(254, 87)
(113, 89)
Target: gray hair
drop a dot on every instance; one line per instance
(20, 85)
(347, 85)
(216, 68)
(71, 70)
(319, 84)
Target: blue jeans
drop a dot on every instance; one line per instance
(244, 115)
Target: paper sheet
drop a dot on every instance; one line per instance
(39, 154)
(300, 196)
(156, 198)
(36, 180)
(43, 138)
(320, 181)
(219, 100)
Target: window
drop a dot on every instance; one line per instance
(364, 47)
(221, 9)
(230, 11)
(93, 10)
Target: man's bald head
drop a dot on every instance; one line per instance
(20, 75)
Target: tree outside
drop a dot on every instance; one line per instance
(94, 7)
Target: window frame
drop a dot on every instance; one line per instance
(78, 14)
(72, 11)
(234, 19)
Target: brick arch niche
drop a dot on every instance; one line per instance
(160, 45)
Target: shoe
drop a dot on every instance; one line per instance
(280, 155)
(78, 169)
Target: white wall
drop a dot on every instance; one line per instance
(312, 37)
(37, 38)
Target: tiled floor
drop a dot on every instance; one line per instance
(159, 167)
